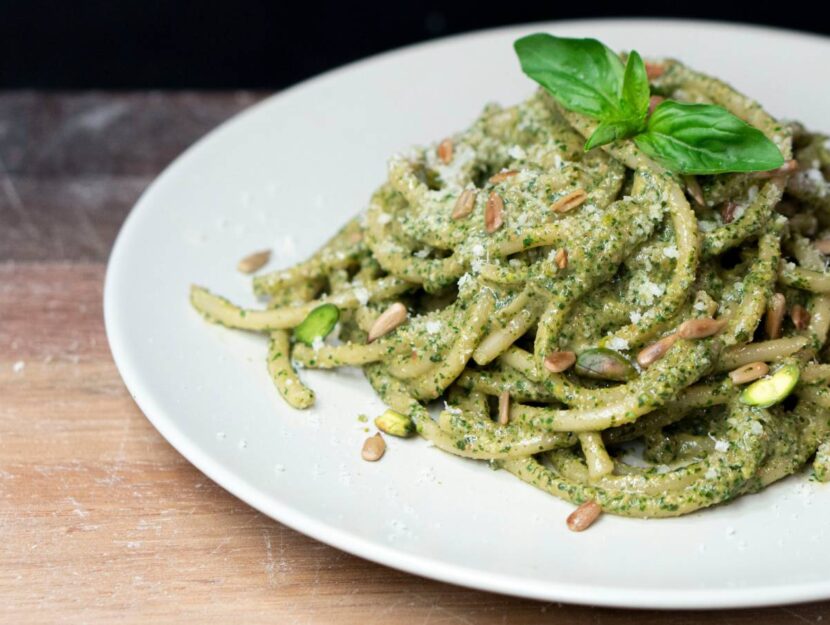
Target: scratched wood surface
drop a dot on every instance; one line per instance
(100, 519)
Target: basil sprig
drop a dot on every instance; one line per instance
(587, 77)
(705, 139)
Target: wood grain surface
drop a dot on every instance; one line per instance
(100, 519)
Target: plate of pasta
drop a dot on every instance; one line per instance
(541, 310)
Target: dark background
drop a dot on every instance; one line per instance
(269, 45)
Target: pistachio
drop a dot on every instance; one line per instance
(604, 364)
(317, 324)
(395, 424)
(772, 389)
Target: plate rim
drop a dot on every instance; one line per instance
(424, 566)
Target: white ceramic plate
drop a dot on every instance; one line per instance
(285, 175)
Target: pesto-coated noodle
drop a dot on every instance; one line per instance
(520, 251)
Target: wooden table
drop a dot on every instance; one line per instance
(100, 519)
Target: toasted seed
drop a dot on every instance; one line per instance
(694, 190)
(561, 258)
(748, 373)
(388, 320)
(775, 315)
(373, 448)
(503, 175)
(445, 151)
(493, 213)
(504, 408)
(653, 102)
(800, 317)
(464, 204)
(654, 70)
(700, 328)
(728, 211)
(655, 351)
(569, 201)
(787, 168)
(823, 246)
(557, 362)
(254, 261)
(395, 424)
(584, 516)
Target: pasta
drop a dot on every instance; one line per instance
(574, 308)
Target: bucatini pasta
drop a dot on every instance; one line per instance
(565, 303)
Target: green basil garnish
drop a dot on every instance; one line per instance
(318, 324)
(583, 74)
(587, 77)
(705, 139)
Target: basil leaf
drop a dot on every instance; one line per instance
(635, 89)
(705, 139)
(608, 132)
(583, 74)
(633, 106)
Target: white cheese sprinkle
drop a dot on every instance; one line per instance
(618, 344)
(649, 290)
(671, 252)
(362, 295)
(384, 218)
(517, 152)
(814, 175)
(317, 344)
(635, 316)
(434, 326)
(722, 446)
